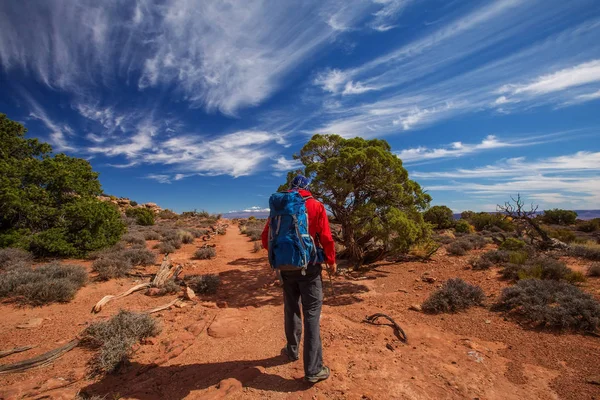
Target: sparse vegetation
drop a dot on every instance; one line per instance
(463, 226)
(170, 287)
(203, 284)
(557, 216)
(115, 338)
(167, 214)
(205, 253)
(118, 263)
(545, 268)
(151, 235)
(424, 250)
(257, 247)
(550, 304)
(564, 235)
(477, 241)
(143, 216)
(441, 217)
(480, 263)
(134, 238)
(459, 247)
(51, 283)
(455, 295)
(592, 225)
(497, 256)
(165, 248)
(186, 237)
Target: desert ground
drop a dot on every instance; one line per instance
(227, 345)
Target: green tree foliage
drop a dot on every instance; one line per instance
(486, 221)
(143, 216)
(463, 226)
(368, 192)
(440, 216)
(48, 202)
(559, 217)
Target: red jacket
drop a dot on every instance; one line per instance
(318, 223)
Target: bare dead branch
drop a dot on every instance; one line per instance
(398, 331)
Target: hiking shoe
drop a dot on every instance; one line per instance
(291, 357)
(321, 376)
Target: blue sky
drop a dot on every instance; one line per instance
(201, 104)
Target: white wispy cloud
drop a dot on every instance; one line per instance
(385, 18)
(59, 132)
(283, 164)
(219, 55)
(160, 178)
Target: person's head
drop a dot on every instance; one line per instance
(299, 182)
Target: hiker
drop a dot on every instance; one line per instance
(302, 285)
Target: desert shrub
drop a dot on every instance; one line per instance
(479, 263)
(46, 284)
(167, 214)
(252, 218)
(151, 235)
(257, 247)
(173, 238)
(186, 237)
(203, 284)
(165, 248)
(496, 256)
(550, 304)
(205, 253)
(170, 287)
(459, 247)
(134, 238)
(423, 250)
(254, 230)
(564, 235)
(463, 226)
(587, 251)
(115, 338)
(94, 255)
(518, 257)
(10, 257)
(143, 216)
(443, 239)
(136, 256)
(487, 221)
(113, 266)
(133, 203)
(197, 233)
(592, 225)
(594, 270)
(543, 267)
(477, 241)
(557, 216)
(512, 244)
(455, 295)
(441, 217)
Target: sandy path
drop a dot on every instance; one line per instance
(469, 355)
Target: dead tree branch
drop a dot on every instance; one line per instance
(398, 331)
(39, 361)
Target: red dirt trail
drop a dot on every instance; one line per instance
(227, 346)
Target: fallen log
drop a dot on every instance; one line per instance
(164, 273)
(6, 353)
(39, 361)
(398, 331)
(164, 307)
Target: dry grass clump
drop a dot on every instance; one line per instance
(115, 338)
(10, 258)
(205, 253)
(550, 304)
(594, 270)
(455, 295)
(165, 248)
(480, 263)
(51, 283)
(203, 284)
(477, 241)
(459, 247)
(170, 287)
(257, 247)
(588, 251)
(151, 235)
(186, 237)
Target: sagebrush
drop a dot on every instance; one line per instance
(203, 284)
(205, 253)
(455, 295)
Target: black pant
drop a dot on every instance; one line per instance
(308, 291)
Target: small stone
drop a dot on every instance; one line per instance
(189, 294)
(389, 346)
(403, 290)
(428, 279)
(595, 380)
(415, 307)
(411, 270)
(487, 321)
(153, 292)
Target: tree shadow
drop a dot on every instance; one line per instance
(153, 382)
(256, 286)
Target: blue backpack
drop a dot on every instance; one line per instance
(290, 245)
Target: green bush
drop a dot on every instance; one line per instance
(518, 257)
(46, 284)
(115, 338)
(455, 295)
(143, 216)
(441, 217)
(487, 221)
(543, 267)
(512, 244)
(49, 202)
(557, 216)
(550, 304)
(564, 235)
(463, 226)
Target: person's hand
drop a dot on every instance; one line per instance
(332, 268)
